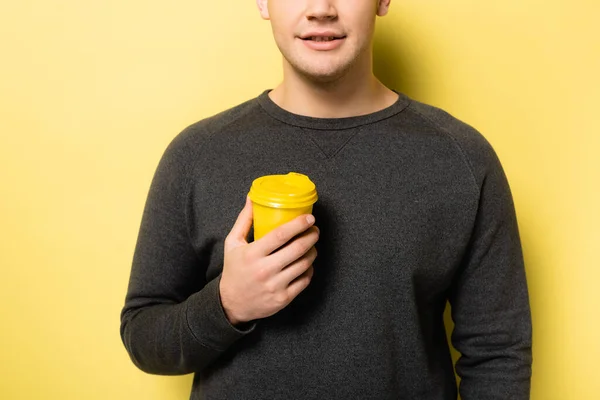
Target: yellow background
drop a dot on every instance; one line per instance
(91, 92)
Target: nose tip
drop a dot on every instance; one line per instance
(321, 17)
(320, 10)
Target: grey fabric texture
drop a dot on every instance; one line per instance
(414, 210)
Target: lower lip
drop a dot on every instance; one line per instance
(323, 46)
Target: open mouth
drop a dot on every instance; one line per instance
(322, 38)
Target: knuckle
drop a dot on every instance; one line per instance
(280, 234)
(306, 263)
(301, 247)
(281, 298)
(270, 288)
(307, 276)
(304, 282)
(262, 274)
(316, 237)
(310, 272)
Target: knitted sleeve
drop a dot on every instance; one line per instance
(172, 321)
(489, 295)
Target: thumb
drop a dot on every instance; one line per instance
(238, 234)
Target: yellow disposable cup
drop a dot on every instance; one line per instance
(278, 199)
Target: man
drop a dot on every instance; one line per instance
(414, 210)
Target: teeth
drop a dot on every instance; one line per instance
(322, 38)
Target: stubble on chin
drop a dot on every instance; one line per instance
(327, 74)
(329, 77)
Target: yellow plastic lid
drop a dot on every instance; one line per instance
(293, 190)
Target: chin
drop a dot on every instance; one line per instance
(321, 74)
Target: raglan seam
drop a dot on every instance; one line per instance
(194, 164)
(461, 150)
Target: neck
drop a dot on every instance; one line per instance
(357, 92)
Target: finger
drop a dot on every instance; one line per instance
(282, 234)
(242, 225)
(300, 283)
(295, 269)
(294, 249)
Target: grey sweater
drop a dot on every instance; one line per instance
(414, 210)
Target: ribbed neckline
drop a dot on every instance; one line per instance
(330, 123)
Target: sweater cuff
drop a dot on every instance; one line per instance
(207, 320)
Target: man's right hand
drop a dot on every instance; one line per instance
(258, 281)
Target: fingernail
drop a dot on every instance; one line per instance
(310, 219)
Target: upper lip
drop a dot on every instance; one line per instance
(311, 34)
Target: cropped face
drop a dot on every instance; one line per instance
(323, 39)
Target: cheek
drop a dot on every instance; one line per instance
(279, 31)
(283, 25)
(287, 13)
(363, 29)
(360, 18)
